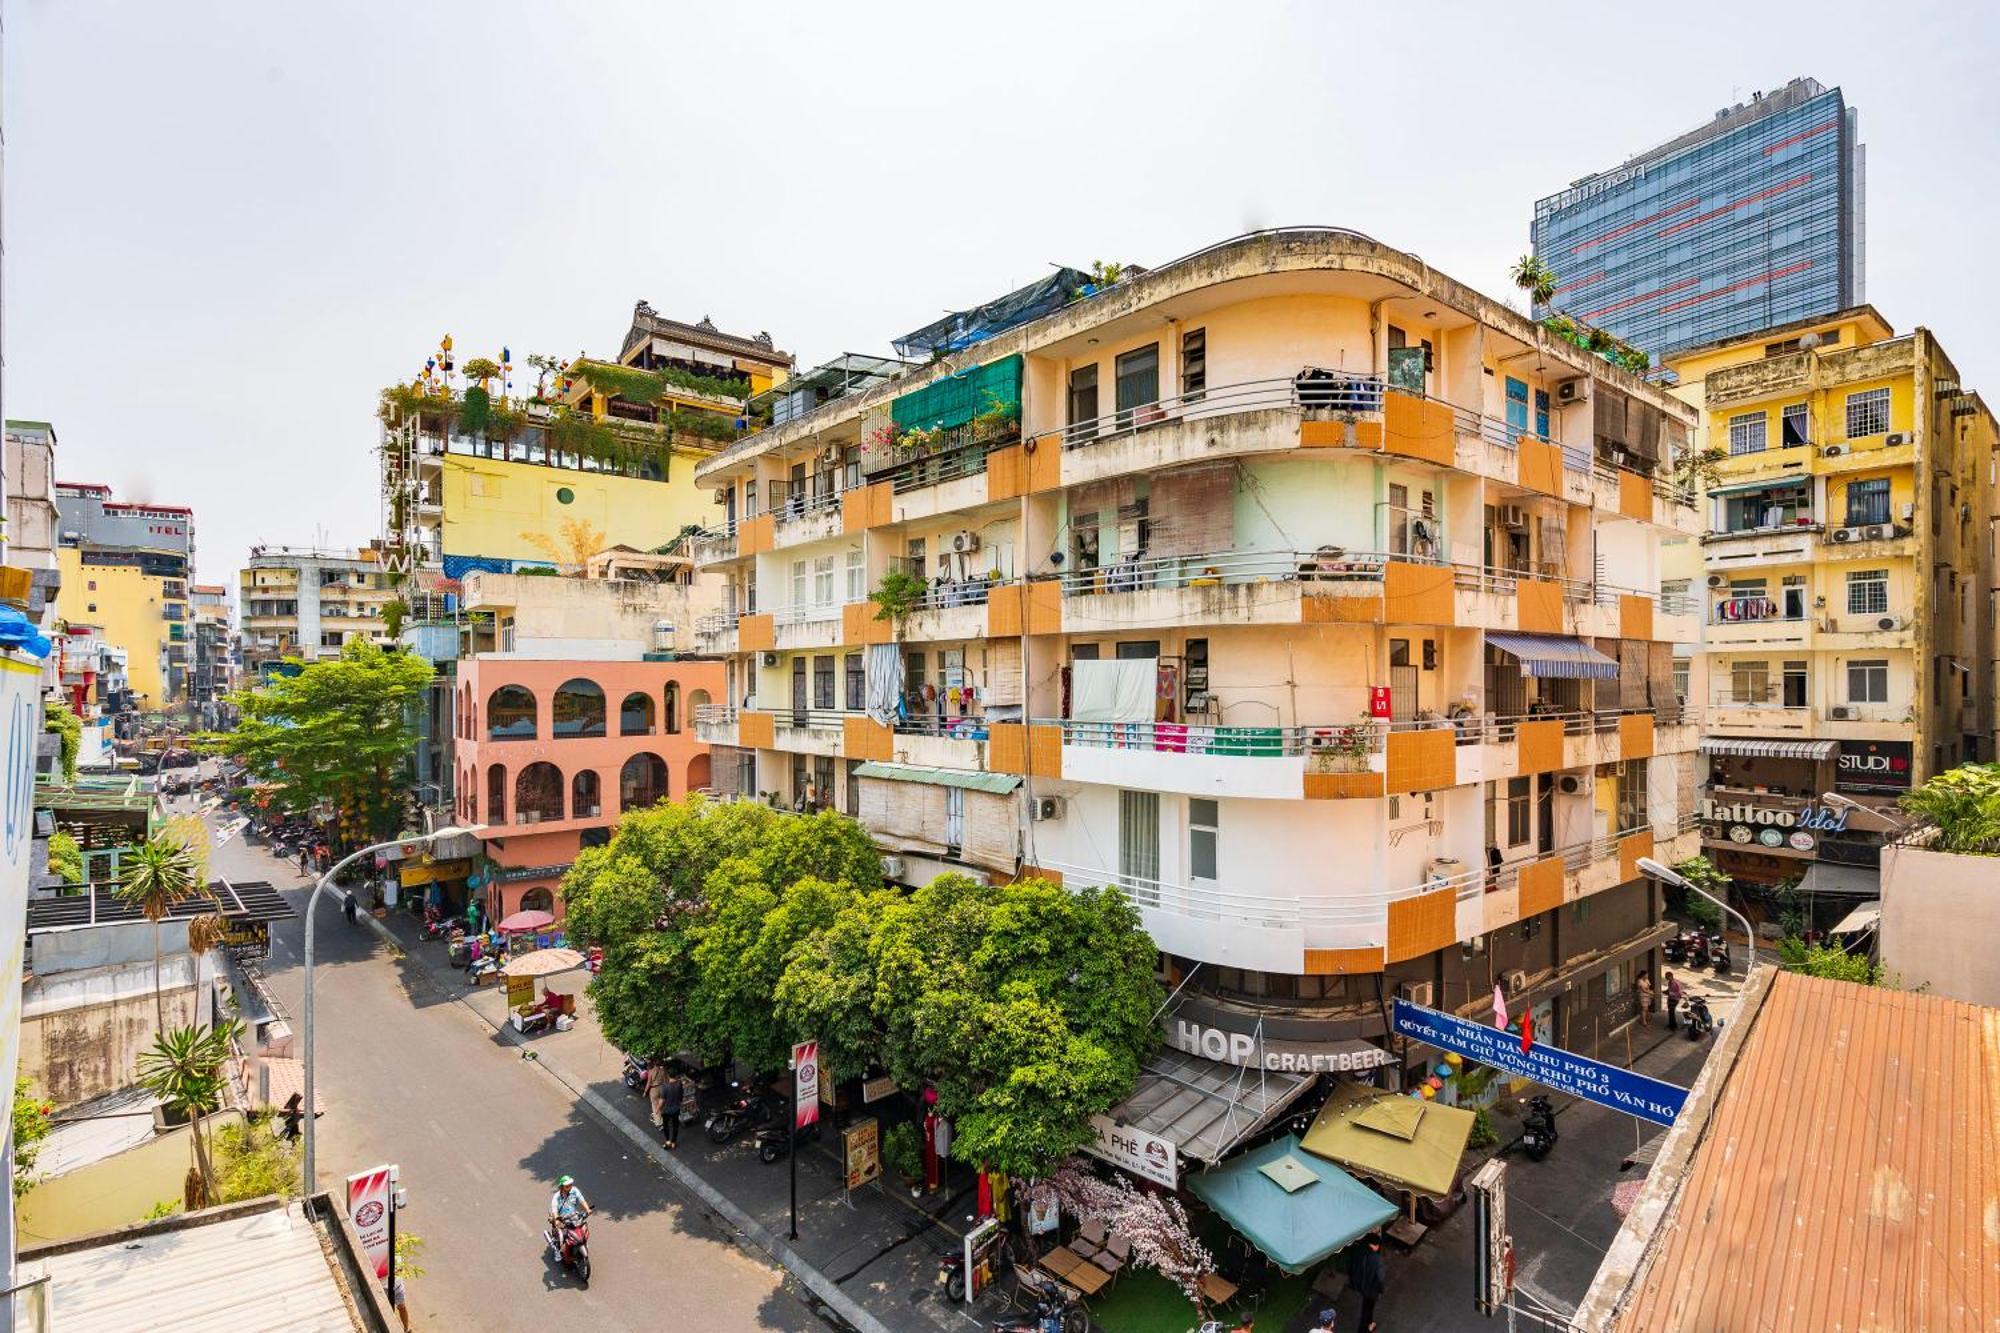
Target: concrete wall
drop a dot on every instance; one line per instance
(112, 1193)
(596, 619)
(82, 1051)
(1940, 915)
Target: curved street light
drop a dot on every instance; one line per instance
(1652, 869)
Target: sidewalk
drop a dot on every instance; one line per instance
(869, 1260)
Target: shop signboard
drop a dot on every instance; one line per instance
(1872, 766)
(368, 1208)
(861, 1149)
(1578, 1076)
(875, 1089)
(520, 991)
(1771, 827)
(1255, 1050)
(805, 1077)
(981, 1254)
(1147, 1156)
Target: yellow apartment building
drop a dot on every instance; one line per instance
(1300, 591)
(139, 600)
(1847, 577)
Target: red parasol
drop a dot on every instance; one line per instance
(525, 921)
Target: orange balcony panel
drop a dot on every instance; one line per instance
(1539, 606)
(755, 634)
(1541, 885)
(1538, 465)
(756, 730)
(1423, 924)
(1341, 610)
(1422, 760)
(1340, 435)
(858, 625)
(1003, 611)
(1418, 594)
(1044, 465)
(1635, 616)
(1630, 849)
(1038, 872)
(1044, 607)
(1342, 786)
(865, 738)
(753, 535)
(1006, 473)
(1012, 746)
(1342, 962)
(1635, 496)
(1539, 746)
(1419, 428)
(865, 507)
(1635, 736)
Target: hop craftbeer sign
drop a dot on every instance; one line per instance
(1579, 1076)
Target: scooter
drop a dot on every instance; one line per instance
(1538, 1128)
(435, 926)
(1055, 1312)
(1699, 1021)
(742, 1111)
(572, 1247)
(635, 1074)
(1718, 955)
(773, 1142)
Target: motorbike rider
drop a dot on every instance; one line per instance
(567, 1208)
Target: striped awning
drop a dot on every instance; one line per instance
(1555, 656)
(1818, 751)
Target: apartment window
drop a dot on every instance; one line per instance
(1794, 684)
(857, 690)
(823, 683)
(1749, 682)
(1868, 681)
(1868, 501)
(1793, 425)
(1867, 592)
(857, 575)
(1083, 401)
(823, 781)
(1746, 433)
(1139, 839)
(852, 802)
(1867, 413)
(1517, 408)
(1204, 828)
(1541, 411)
(823, 580)
(1194, 365)
(1138, 382)
(798, 583)
(1682, 668)
(1519, 794)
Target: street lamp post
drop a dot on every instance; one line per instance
(1652, 869)
(1865, 816)
(326, 881)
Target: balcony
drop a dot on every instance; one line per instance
(1791, 542)
(713, 544)
(799, 516)
(941, 742)
(806, 626)
(1250, 762)
(1758, 622)
(1762, 709)
(950, 611)
(715, 632)
(1226, 587)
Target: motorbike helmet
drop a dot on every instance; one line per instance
(564, 1182)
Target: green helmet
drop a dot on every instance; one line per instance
(564, 1182)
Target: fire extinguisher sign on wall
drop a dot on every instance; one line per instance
(1378, 701)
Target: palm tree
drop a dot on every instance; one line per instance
(162, 873)
(1535, 278)
(185, 1069)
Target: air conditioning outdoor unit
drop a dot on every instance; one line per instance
(1569, 784)
(1573, 391)
(1515, 979)
(1875, 532)
(1892, 622)
(1718, 580)
(1840, 713)
(1047, 808)
(770, 659)
(1843, 534)
(1895, 438)
(1513, 516)
(892, 867)
(966, 542)
(1836, 450)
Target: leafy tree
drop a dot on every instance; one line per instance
(1705, 875)
(31, 1126)
(1832, 964)
(1964, 803)
(1534, 277)
(186, 1068)
(579, 540)
(828, 986)
(340, 731)
(159, 874)
(65, 857)
(251, 1162)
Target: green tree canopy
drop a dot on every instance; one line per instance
(340, 731)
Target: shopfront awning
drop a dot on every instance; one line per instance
(1399, 1140)
(997, 783)
(1205, 1108)
(1553, 656)
(1767, 484)
(1817, 751)
(1295, 1207)
(1865, 917)
(1842, 881)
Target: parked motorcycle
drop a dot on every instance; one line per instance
(745, 1108)
(571, 1247)
(773, 1142)
(1055, 1312)
(1538, 1128)
(436, 927)
(1699, 1021)
(635, 1074)
(1718, 954)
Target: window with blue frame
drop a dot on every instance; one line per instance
(1542, 413)
(1517, 408)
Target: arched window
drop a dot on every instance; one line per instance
(670, 717)
(642, 782)
(635, 715)
(585, 796)
(579, 709)
(698, 773)
(697, 700)
(465, 711)
(510, 714)
(468, 796)
(496, 793)
(538, 900)
(538, 794)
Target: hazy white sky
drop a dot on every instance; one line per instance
(228, 225)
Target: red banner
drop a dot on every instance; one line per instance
(805, 1081)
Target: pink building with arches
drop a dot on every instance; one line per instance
(550, 753)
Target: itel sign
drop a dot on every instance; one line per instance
(1873, 766)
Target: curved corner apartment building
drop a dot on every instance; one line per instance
(1302, 592)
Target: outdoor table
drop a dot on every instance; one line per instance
(1218, 1289)
(1077, 1271)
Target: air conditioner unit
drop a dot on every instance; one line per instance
(1573, 391)
(1718, 580)
(1515, 979)
(892, 867)
(830, 454)
(1569, 784)
(722, 497)
(1419, 992)
(1896, 437)
(1047, 808)
(1513, 516)
(1840, 713)
(1843, 534)
(1892, 622)
(770, 659)
(1836, 450)
(1875, 532)
(965, 543)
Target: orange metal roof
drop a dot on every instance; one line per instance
(1847, 1177)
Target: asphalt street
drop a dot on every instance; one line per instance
(406, 1076)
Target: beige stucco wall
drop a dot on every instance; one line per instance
(112, 1193)
(1940, 915)
(83, 1052)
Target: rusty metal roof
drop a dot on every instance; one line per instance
(1844, 1174)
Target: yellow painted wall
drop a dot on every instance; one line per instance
(115, 1192)
(488, 505)
(1856, 330)
(128, 610)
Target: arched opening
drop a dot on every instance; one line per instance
(465, 710)
(468, 796)
(670, 716)
(538, 900)
(586, 799)
(538, 794)
(642, 782)
(510, 714)
(496, 793)
(698, 773)
(635, 715)
(579, 709)
(697, 700)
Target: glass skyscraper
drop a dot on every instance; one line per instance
(1753, 220)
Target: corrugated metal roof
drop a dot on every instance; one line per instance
(997, 783)
(266, 1270)
(1205, 1108)
(1846, 1174)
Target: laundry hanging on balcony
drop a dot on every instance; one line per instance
(1121, 690)
(1554, 656)
(1746, 608)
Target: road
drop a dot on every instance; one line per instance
(406, 1075)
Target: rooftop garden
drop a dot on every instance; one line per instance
(1538, 280)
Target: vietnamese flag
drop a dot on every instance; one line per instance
(1527, 1030)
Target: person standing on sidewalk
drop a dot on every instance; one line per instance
(1645, 988)
(671, 1093)
(1674, 994)
(1368, 1275)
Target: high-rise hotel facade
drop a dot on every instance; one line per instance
(1305, 594)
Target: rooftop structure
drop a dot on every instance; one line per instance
(307, 602)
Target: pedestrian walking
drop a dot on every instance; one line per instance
(305, 857)
(1674, 995)
(671, 1095)
(1645, 988)
(293, 1112)
(656, 1086)
(347, 906)
(1368, 1275)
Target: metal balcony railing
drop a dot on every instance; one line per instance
(814, 719)
(1356, 739)
(715, 715)
(965, 727)
(805, 613)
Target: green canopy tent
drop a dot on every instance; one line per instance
(1401, 1141)
(1289, 1204)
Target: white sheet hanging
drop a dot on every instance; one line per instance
(1114, 691)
